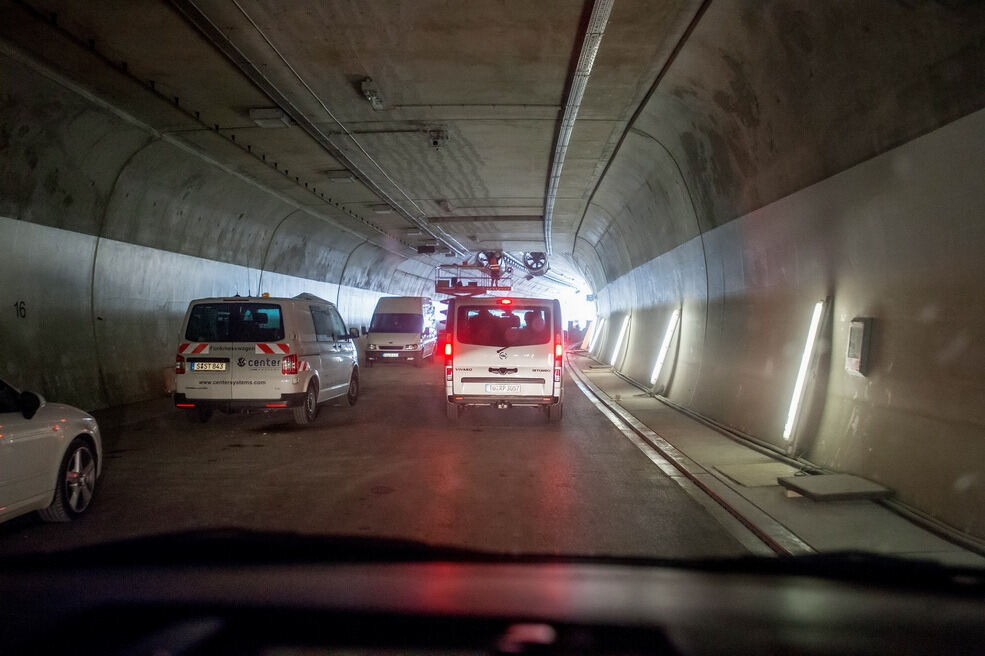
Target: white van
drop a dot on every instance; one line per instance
(263, 352)
(403, 329)
(504, 352)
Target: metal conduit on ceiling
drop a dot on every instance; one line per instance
(589, 48)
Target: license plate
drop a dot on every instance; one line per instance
(207, 366)
(390, 355)
(500, 388)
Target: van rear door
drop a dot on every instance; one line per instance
(504, 349)
(204, 353)
(257, 348)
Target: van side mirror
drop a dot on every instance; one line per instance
(29, 403)
(354, 333)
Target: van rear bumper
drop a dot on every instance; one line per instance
(484, 399)
(285, 401)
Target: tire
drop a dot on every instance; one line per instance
(452, 410)
(199, 414)
(307, 411)
(75, 485)
(554, 413)
(352, 395)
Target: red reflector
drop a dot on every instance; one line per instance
(448, 349)
(184, 405)
(275, 405)
(289, 365)
(506, 301)
(179, 364)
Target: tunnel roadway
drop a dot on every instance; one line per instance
(393, 466)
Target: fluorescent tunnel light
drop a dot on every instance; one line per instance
(622, 335)
(798, 388)
(596, 331)
(665, 346)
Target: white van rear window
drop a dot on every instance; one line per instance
(485, 325)
(235, 322)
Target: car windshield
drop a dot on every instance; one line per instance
(396, 323)
(496, 326)
(617, 279)
(234, 322)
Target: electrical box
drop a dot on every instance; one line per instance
(857, 353)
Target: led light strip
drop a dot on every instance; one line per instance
(665, 346)
(798, 388)
(622, 335)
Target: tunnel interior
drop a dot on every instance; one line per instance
(732, 165)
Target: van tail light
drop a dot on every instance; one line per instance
(179, 364)
(558, 348)
(448, 373)
(289, 365)
(557, 374)
(447, 349)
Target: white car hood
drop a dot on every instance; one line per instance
(393, 339)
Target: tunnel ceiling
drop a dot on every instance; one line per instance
(737, 103)
(488, 80)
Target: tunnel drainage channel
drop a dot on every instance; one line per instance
(753, 528)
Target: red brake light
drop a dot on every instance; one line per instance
(179, 364)
(506, 301)
(558, 350)
(184, 405)
(447, 349)
(289, 365)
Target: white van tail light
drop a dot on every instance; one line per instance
(179, 364)
(289, 365)
(448, 373)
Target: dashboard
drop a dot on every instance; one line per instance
(470, 608)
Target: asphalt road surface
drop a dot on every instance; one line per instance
(393, 466)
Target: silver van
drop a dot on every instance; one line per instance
(264, 353)
(403, 329)
(504, 352)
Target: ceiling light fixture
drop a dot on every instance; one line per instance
(270, 117)
(372, 93)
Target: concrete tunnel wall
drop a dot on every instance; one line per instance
(742, 195)
(108, 230)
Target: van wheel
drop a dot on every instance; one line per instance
(199, 414)
(452, 410)
(76, 483)
(353, 394)
(554, 413)
(306, 412)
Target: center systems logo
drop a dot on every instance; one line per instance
(269, 362)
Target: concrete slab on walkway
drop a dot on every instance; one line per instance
(759, 474)
(834, 487)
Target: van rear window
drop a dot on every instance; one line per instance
(235, 322)
(485, 325)
(396, 323)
